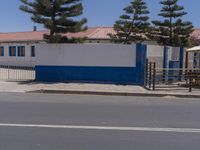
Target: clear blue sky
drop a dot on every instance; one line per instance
(98, 13)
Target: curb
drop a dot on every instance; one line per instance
(113, 93)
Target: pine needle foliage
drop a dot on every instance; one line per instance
(172, 30)
(133, 25)
(58, 16)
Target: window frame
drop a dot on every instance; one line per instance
(32, 51)
(21, 51)
(2, 51)
(14, 52)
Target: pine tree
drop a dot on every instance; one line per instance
(59, 16)
(133, 25)
(172, 31)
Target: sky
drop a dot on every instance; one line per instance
(98, 13)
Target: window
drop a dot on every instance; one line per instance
(12, 51)
(21, 51)
(32, 51)
(1, 51)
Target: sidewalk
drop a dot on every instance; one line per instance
(94, 89)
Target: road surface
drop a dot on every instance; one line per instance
(76, 122)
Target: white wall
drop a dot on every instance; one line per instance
(155, 54)
(15, 60)
(173, 53)
(155, 51)
(113, 55)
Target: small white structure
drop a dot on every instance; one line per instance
(193, 57)
(194, 49)
(17, 54)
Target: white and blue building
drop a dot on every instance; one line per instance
(110, 63)
(17, 54)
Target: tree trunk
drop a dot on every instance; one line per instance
(52, 30)
(170, 36)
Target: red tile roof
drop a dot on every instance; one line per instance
(95, 33)
(22, 36)
(91, 33)
(196, 34)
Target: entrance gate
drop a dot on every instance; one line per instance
(162, 78)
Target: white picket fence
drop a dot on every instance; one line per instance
(17, 73)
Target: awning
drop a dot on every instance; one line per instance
(194, 49)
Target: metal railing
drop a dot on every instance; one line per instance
(189, 78)
(17, 73)
(192, 78)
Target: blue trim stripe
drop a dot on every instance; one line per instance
(141, 58)
(165, 60)
(181, 62)
(165, 63)
(79, 73)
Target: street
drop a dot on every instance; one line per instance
(77, 122)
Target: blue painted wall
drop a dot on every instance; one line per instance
(181, 58)
(80, 73)
(118, 75)
(165, 63)
(174, 73)
(181, 63)
(165, 59)
(141, 58)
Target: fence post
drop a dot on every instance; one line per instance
(150, 74)
(154, 75)
(190, 81)
(8, 72)
(146, 73)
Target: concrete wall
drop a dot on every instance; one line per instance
(91, 62)
(163, 55)
(155, 53)
(174, 53)
(106, 55)
(16, 60)
(81, 56)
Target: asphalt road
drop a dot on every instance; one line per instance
(69, 122)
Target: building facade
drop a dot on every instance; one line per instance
(17, 54)
(18, 48)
